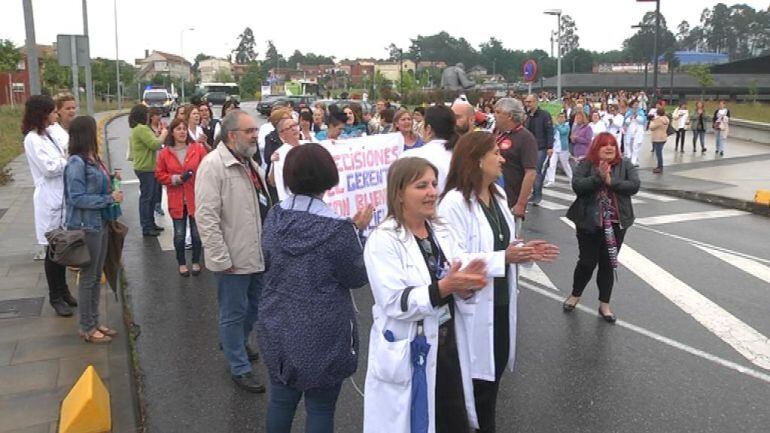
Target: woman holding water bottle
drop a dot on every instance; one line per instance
(177, 164)
(91, 203)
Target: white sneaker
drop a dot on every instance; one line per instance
(548, 184)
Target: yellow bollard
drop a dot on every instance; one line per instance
(86, 408)
(762, 197)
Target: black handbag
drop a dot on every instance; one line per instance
(68, 247)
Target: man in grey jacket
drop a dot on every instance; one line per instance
(231, 201)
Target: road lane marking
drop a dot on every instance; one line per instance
(536, 274)
(551, 205)
(743, 338)
(166, 237)
(660, 338)
(747, 265)
(704, 244)
(571, 197)
(656, 197)
(690, 216)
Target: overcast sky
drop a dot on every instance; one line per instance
(341, 29)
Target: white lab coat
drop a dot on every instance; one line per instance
(47, 159)
(394, 263)
(435, 152)
(476, 236)
(277, 169)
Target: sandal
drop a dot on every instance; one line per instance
(95, 337)
(107, 331)
(183, 271)
(196, 269)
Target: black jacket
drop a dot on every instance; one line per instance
(540, 125)
(587, 183)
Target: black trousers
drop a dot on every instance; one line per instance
(592, 252)
(485, 392)
(680, 134)
(56, 275)
(451, 415)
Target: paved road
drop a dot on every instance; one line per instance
(690, 352)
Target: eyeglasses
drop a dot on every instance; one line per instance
(289, 127)
(248, 130)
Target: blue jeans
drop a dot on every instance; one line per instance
(657, 146)
(238, 296)
(537, 194)
(720, 141)
(180, 229)
(319, 406)
(147, 188)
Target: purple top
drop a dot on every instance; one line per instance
(582, 136)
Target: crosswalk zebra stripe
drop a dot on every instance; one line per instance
(743, 338)
(551, 205)
(571, 197)
(536, 274)
(747, 265)
(690, 216)
(657, 337)
(656, 197)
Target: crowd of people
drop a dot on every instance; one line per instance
(442, 266)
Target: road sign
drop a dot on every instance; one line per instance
(64, 51)
(529, 70)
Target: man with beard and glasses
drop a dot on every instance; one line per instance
(231, 201)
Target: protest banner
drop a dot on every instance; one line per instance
(363, 165)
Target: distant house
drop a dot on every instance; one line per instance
(313, 72)
(390, 71)
(358, 70)
(14, 86)
(175, 67)
(209, 69)
(440, 64)
(286, 74)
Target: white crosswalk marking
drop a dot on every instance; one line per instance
(551, 205)
(537, 275)
(656, 197)
(571, 196)
(747, 265)
(690, 216)
(743, 338)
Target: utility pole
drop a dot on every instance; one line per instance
(89, 81)
(557, 13)
(117, 59)
(655, 53)
(31, 46)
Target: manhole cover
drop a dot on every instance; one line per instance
(26, 307)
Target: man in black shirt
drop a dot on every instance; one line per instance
(539, 123)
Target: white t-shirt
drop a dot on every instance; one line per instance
(435, 152)
(681, 122)
(196, 135)
(60, 135)
(598, 127)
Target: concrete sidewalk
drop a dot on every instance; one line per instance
(41, 355)
(729, 181)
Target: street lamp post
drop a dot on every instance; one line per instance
(181, 48)
(557, 12)
(655, 52)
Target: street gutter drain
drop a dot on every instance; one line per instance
(24, 307)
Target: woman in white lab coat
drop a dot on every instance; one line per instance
(475, 207)
(47, 159)
(413, 264)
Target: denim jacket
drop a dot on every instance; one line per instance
(87, 194)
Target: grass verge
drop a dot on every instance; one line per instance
(11, 140)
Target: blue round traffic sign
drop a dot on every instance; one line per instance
(529, 70)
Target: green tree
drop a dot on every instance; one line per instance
(245, 52)
(223, 76)
(251, 81)
(443, 46)
(273, 59)
(640, 46)
(55, 77)
(702, 74)
(10, 56)
(569, 37)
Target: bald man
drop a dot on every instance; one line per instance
(465, 116)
